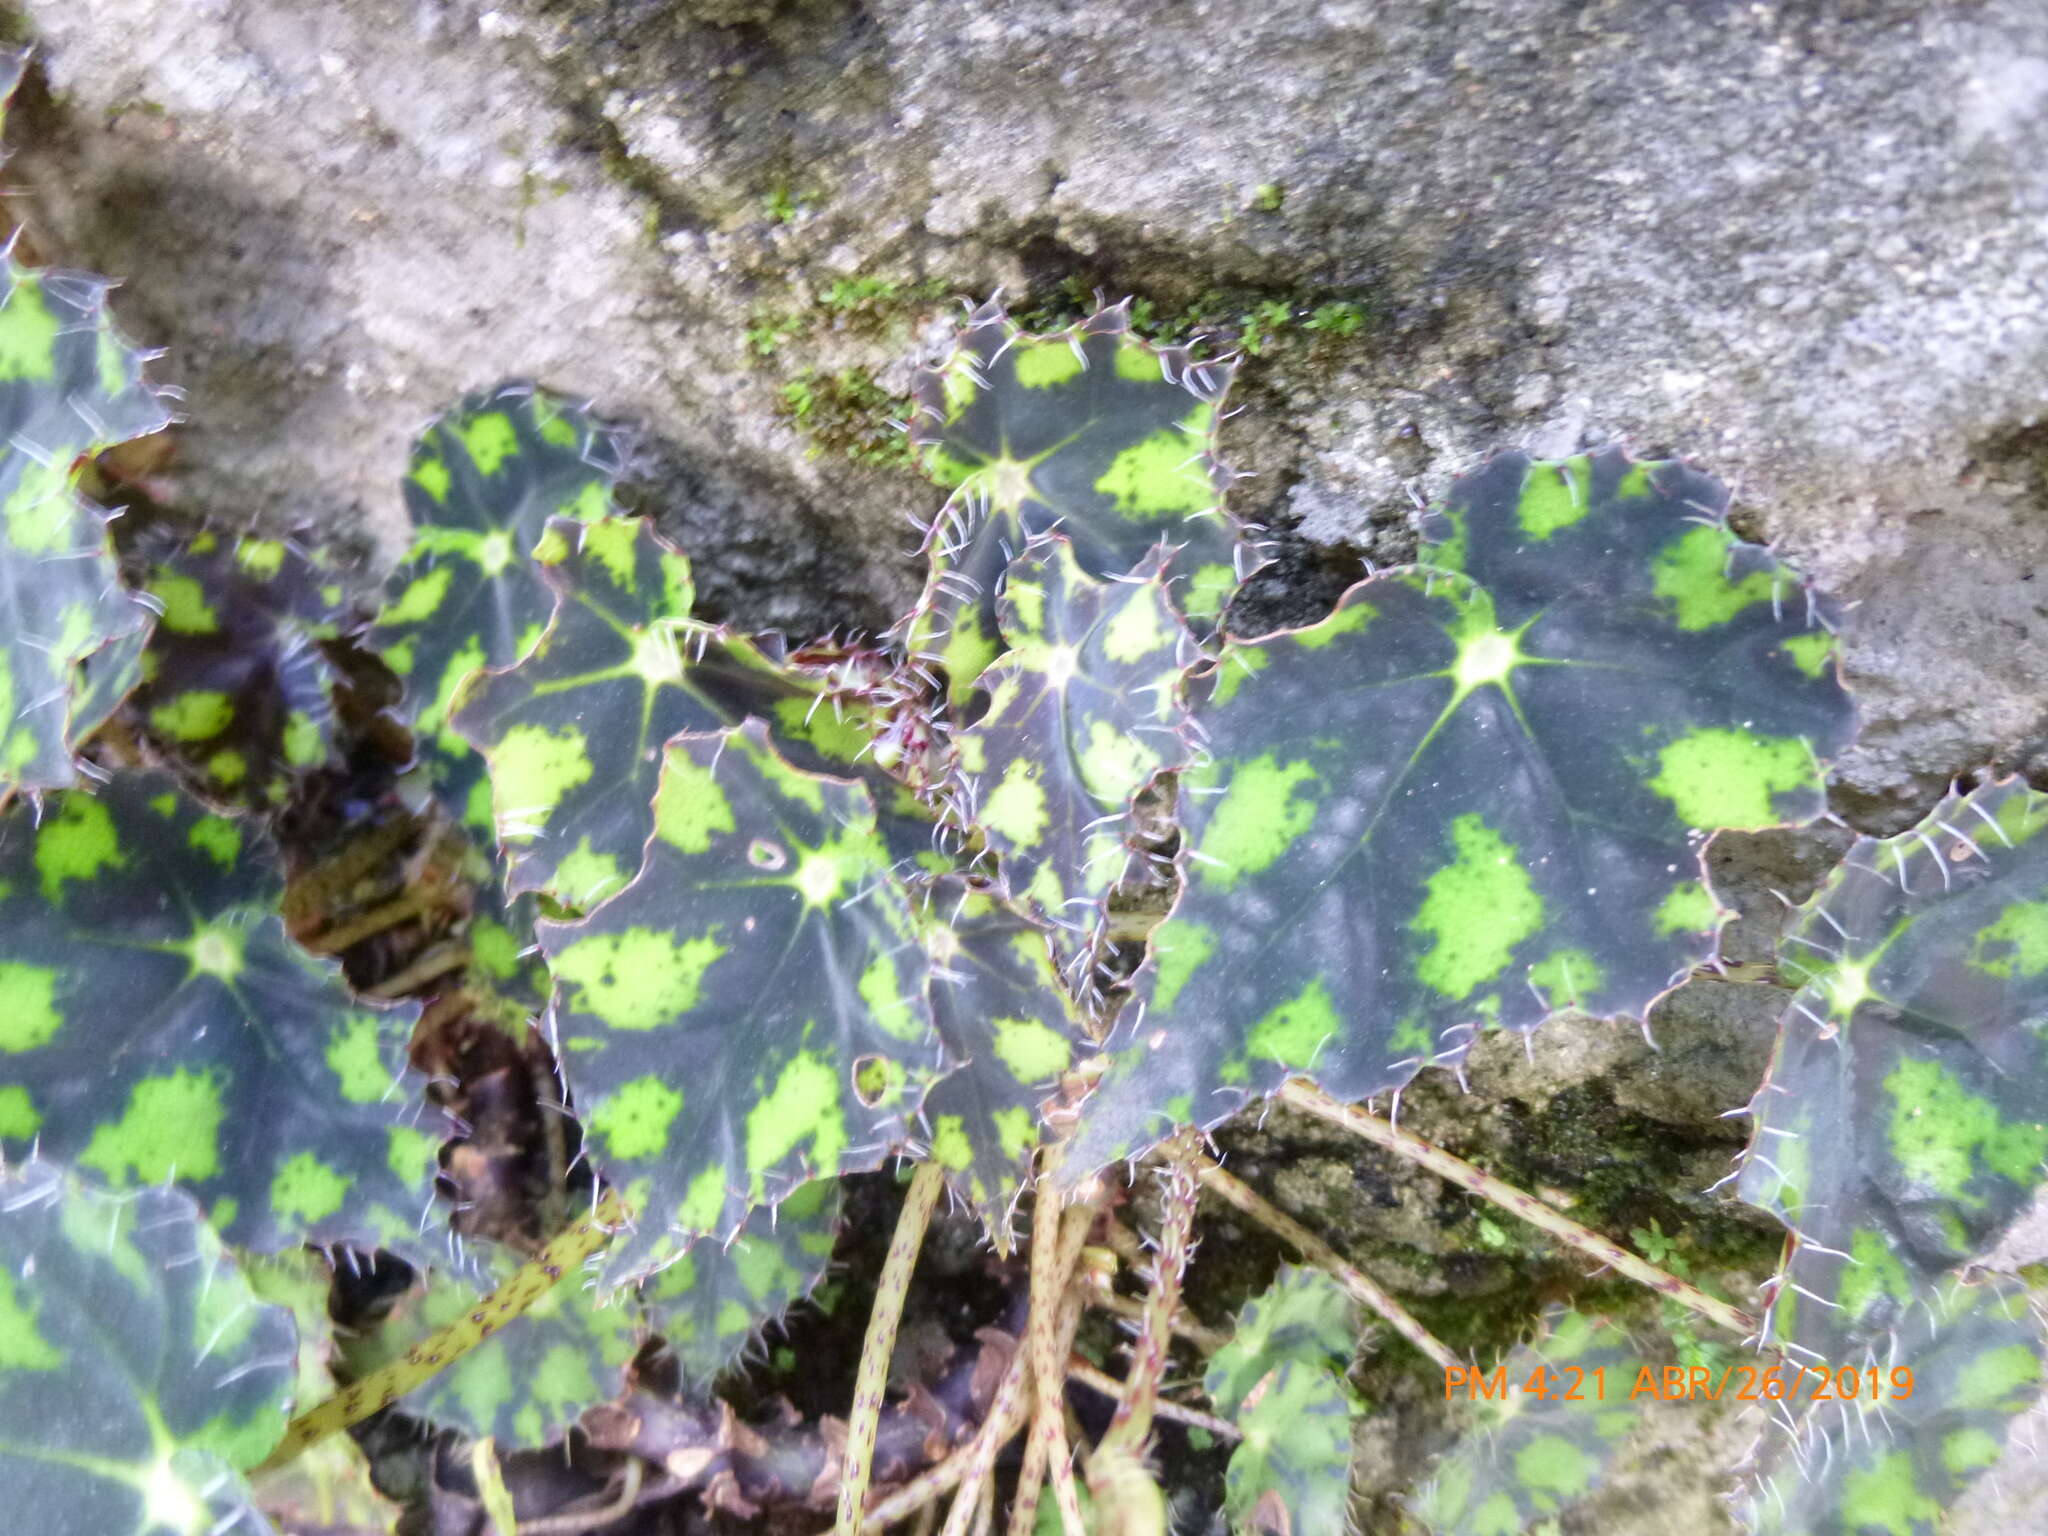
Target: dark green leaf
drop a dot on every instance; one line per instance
(573, 731)
(752, 1010)
(326, 1485)
(1303, 1316)
(1896, 1459)
(1544, 1436)
(68, 389)
(236, 689)
(1089, 432)
(530, 1379)
(1008, 1027)
(1440, 809)
(1083, 711)
(138, 1374)
(712, 1302)
(485, 479)
(1904, 1119)
(1281, 1378)
(158, 1024)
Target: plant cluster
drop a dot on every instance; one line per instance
(634, 936)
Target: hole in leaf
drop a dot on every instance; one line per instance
(875, 1080)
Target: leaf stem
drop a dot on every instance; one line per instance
(1305, 1096)
(872, 1381)
(443, 1347)
(1096, 1379)
(1131, 1424)
(1047, 1451)
(1362, 1287)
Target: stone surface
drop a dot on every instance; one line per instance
(1805, 243)
(1802, 243)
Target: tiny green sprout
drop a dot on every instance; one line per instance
(766, 332)
(853, 292)
(1268, 197)
(1338, 318)
(1263, 324)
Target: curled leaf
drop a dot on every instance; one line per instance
(1903, 1123)
(484, 480)
(236, 690)
(1552, 1416)
(69, 388)
(1083, 711)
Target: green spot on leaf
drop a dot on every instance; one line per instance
(306, 1189)
(170, 1128)
(1478, 908)
(1258, 820)
(532, 767)
(1689, 573)
(1159, 476)
(803, 1106)
(29, 1016)
(1295, 1032)
(1727, 778)
(1041, 365)
(1555, 496)
(639, 978)
(1940, 1131)
(77, 844)
(633, 1120)
(1031, 1050)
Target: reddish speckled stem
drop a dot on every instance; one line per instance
(1132, 1422)
(1306, 1096)
(1361, 1286)
(873, 1378)
(443, 1347)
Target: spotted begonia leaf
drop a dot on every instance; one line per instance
(1446, 806)
(530, 1379)
(236, 687)
(752, 1010)
(68, 389)
(1910, 1418)
(485, 479)
(1088, 431)
(1543, 1435)
(573, 731)
(1083, 711)
(156, 1023)
(139, 1376)
(1903, 1123)
(325, 1487)
(1281, 1379)
(712, 1302)
(1009, 1033)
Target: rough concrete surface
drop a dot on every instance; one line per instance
(1805, 243)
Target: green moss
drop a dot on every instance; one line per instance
(1302, 324)
(849, 414)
